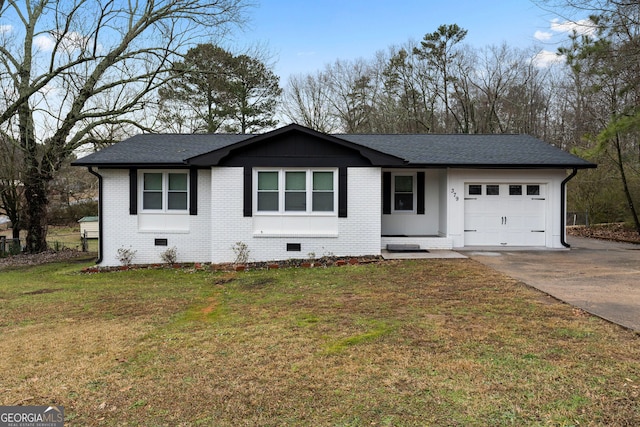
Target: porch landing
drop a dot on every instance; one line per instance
(432, 254)
(427, 247)
(423, 242)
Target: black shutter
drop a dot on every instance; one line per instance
(248, 191)
(342, 192)
(133, 191)
(420, 189)
(193, 191)
(386, 192)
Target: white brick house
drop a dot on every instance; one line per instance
(294, 192)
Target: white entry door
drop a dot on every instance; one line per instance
(505, 215)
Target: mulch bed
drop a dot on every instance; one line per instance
(43, 258)
(290, 263)
(618, 232)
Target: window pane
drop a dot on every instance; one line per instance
(296, 181)
(403, 202)
(268, 201)
(475, 190)
(323, 181)
(533, 190)
(178, 181)
(493, 190)
(177, 201)
(404, 184)
(268, 181)
(323, 202)
(515, 190)
(153, 181)
(295, 201)
(152, 200)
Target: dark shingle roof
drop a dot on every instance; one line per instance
(428, 150)
(158, 149)
(470, 150)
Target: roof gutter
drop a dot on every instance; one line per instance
(563, 207)
(100, 239)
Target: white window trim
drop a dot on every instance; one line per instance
(308, 189)
(414, 191)
(165, 192)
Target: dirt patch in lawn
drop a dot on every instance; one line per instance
(41, 291)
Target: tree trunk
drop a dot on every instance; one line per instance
(37, 202)
(625, 184)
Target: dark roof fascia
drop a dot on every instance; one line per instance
(213, 158)
(134, 165)
(494, 166)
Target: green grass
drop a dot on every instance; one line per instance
(433, 342)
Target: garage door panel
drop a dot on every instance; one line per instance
(505, 215)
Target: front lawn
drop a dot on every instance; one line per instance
(430, 342)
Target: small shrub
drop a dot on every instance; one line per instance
(126, 256)
(170, 256)
(58, 246)
(242, 252)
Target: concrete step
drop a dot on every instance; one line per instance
(404, 248)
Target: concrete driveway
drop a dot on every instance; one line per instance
(600, 277)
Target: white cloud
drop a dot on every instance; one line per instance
(74, 40)
(581, 27)
(70, 42)
(6, 29)
(546, 58)
(542, 35)
(44, 43)
(557, 30)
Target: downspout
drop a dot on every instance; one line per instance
(563, 207)
(92, 172)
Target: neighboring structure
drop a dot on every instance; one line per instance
(89, 227)
(294, 192)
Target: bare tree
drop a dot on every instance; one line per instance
(11, 189)
(83, 64)
(409, 97)
(352, 90)
(306, 101)
(498, 71)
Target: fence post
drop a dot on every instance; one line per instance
(85, 244)
(15, 247)
(3, 244)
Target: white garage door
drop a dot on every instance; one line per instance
(504, 214)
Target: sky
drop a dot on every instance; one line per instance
(305, 35)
